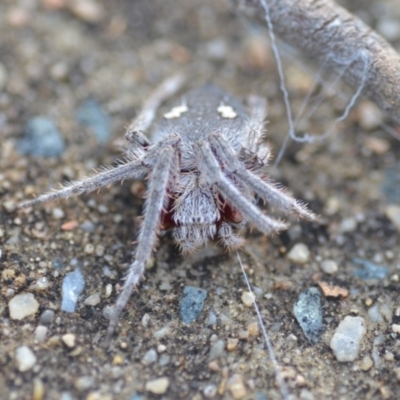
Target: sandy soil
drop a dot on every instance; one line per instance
(54, 55)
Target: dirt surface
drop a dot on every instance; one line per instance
(56, 54)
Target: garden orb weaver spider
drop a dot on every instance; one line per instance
(205, 162)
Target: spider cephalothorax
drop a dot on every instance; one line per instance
(205, 162)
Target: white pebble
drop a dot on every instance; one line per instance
(145, 320)
(161, 333)
(299, 253)
(329, 266)
(25, 358)
(247, 298)
(58, 213)
(69, 339)
(89, 249)
(348, 225)
(108, 290)
(374, 314)
(23, 305)
(392, 211)
(150, 357)
(157, 386)
(370, 115)
(92, 300)
(72, 287)
(41, 333)
(345, 342)
(396, 328)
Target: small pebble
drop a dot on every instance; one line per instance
(299, 253)
(90, 11)
(210, 391)
(150, 357)
(89, 249)
(145, 320)
(329, 266)
(247, 298)
(377, 146)
(23, 305)
(165, 359)
(253, 329)
(346, 340)
(309, 314)
(192, 303)
(370, 116)
(41, 138)
(162, 333)
(391, 189)
(389, 356)
(47, 317)
(41, 284)
(92, 300)
(366, 363)
(217, 350)
(396, 328)
(374, 314)
(25, 358)
(72, 287)
(83, 383)
(392, 211)
(41, 333)
(348, 225)
(369, 269)
(232, 344)
(92, 115)
(212, 318)
(161, 348)
(57, 263)
(69, 340)
(108, 290)
(236, 386)
(38, 389)
(58, 213)
(157, 386)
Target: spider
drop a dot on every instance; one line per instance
(205, 163)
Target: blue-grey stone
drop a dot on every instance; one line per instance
(369, 269)
(91, 114)
(57, 263)
(192, 303)
(72, 287)
(309, 315)
(138, 396)
(41, 138)
(391, 184)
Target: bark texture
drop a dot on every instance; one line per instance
(326, 32)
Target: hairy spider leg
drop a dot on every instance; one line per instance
(130, 170)
(214, 176)
(135, 131)
(165, 170)
(266, 190)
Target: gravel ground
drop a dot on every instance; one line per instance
(72, 75)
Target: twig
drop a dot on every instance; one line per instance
(327, 33)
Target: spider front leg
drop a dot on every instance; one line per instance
(164, 172)
(267, 191)
(130, 170)
(209, 167)
(146, 116)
